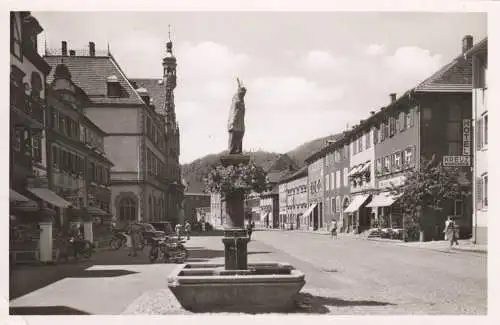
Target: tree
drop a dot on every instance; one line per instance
(428, 188)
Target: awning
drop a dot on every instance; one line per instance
(16, 197)
(50, 197)
(358, 201)
(354, 170)
(308, 211)
(364, 168)
(384, 199)
(95, 211)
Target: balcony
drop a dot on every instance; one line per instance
(27, 107)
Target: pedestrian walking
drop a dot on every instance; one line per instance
(249, 230)
(333, 230)
(178, 231)
(187, 229)
(450, 231)
(133, 232)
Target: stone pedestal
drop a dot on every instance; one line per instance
(235, 236)
(235, 249)
(45, 241)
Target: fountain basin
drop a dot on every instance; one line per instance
(263, 287)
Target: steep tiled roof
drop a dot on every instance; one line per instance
(156, 90)
(456, 76)
(90, 73)
(298, 174)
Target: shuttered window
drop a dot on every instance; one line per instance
(479, 193)
(479, 134)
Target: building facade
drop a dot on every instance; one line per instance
(269, 207)
(360, 176)
(77, 165)
(479, 55)
(216, 211)
(145, 183)
(315, 192)
(431, 120)
(337, 185)
(296, 200)
(193, 201)
(282, 202)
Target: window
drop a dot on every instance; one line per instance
(485, 190)
(397, 161)
(375, 135)
(408, 159)
(458, 207)
(346, 177)
(55, 157)
(17, 140)
(327, 182)
(62, 123)
(385, 130)
(127, 209)
(409, 118)
(27, 142)
(368, 141)
(333, 185)
(392, 126)
(482, 131)
(387, 165)
(360, 144)
(15, 35)
(354, 149)
(54, 120)
(378, 167)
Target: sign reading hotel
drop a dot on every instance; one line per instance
(466, 138)
(456, 161)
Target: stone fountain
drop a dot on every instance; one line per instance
(236, 285)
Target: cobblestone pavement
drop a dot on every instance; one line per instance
(346, 276)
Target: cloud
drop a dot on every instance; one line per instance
(375, 49)
(413, 61)
(319, 60)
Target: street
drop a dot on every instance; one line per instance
(344, 276)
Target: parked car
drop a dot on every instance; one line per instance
(165, 226)
(149, 232)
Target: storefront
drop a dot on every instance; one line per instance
(357, 213)
(385, 211)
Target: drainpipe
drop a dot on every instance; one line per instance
(474, 167)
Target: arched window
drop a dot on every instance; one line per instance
(128, 209)
(150, 205)
(36, 85)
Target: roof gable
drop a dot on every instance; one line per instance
(90, 74)
(156, 90)
(456, 76)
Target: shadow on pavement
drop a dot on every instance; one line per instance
(101, 273)
(46, 310)
(308, 303)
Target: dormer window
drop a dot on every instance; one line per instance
(113, 86)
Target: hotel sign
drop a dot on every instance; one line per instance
(466, 137)
(456, 161)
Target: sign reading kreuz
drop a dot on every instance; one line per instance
(466, 137)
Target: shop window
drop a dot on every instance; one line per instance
(387, 165)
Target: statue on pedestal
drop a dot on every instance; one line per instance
(236, 122)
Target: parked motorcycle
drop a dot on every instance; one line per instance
(118, 240)
(171, 250)
(75, 247)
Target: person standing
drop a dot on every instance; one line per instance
(133, 233)
(178, 231)
(333, 230)
(450, 232)
(249, 230)
(187, 229)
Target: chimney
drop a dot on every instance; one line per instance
(467, 43)
(393, 97)
(71, 52)
(372, 113)
(64, 48)
(91, 49)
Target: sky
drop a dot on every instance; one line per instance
(308, 74)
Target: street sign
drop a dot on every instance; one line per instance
(456, 161)
(466, 130)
